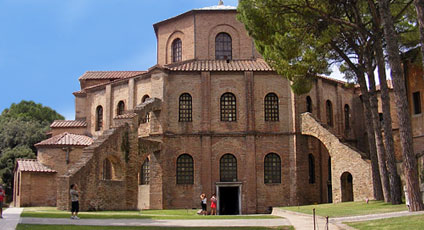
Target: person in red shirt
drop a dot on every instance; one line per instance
(2, 194)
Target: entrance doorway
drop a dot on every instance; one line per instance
(347, 186)
(229, 198)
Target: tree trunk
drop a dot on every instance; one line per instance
(419, 6)
(405, 130)
(395, 184)
(381, 152)
(378, 190)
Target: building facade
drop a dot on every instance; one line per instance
(211, 117)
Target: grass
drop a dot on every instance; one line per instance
(75, 227)
(405, 222)
(176, 214)
(348, 208)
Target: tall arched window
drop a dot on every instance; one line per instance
(308, 104)
(177, 50)
(147, 117)
(185, 169)
(121, 108)
(228, 107)
(107, 170)
(347, 116)
(223, 47)
(145, 172)
(311, 161)
(228, 168)
(329, 109)
(99, 118)
(185, 108)
(272, 169)
(271, 107)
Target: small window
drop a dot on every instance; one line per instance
(417, 102)
(107, 170)
(185, 108)
(228, 107)
(177, 50)
(308, 104)
(329, 109)
(271, 107)
(228, 168)
(311, 160)
(347, 116)
(145, 173)
(146, 119)
(272, 169)
(99, 118)
(121, 108)
(185, 169)
(223, 47)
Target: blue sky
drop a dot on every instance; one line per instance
(45, 45)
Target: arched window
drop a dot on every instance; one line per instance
(223, 47)
(271, 107)
(145, 172)
(121, 108)
(107, 170)
(308, 104)
(144, 98)
(185, 108)
(177, 50)
(147, 117)
(329, 107)
(228, 168)
(99, 118)
(311, 161)
(347, 116)
(185, 169)
(228, 107)
(272, 169)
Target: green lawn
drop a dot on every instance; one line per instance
(348, 208)
(177, 214)
(75, 227)
(406, 222)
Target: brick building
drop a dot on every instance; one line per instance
(210, 117)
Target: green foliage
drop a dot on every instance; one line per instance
(7, 163)
(29, 110)
(301, 38)
(291, 40)
(21, 126)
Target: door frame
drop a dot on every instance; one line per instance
(229, 184)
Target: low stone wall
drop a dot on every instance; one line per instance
(344, 158)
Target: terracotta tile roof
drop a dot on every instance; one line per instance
(96, 75)
(32, 165)
(68, 124)
(126, 116)
(67, 139)
(220, 65)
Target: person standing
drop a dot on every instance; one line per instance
(75, 201)
(2, 194)
(213, 204)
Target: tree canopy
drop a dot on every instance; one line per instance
(21, 126)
